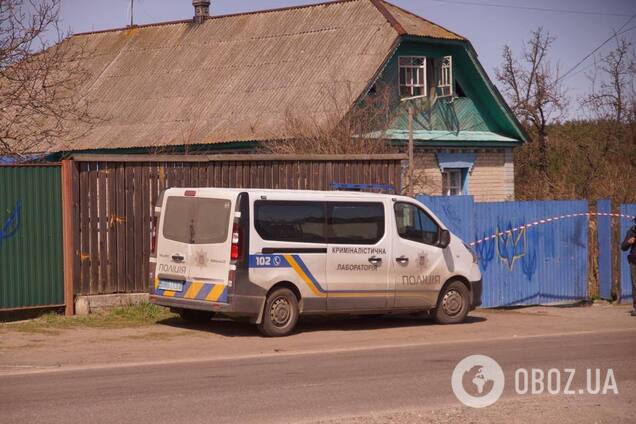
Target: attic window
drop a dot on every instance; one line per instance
(412, 76)
(444, 73)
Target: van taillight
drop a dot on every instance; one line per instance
(153, 245)
(236, 243)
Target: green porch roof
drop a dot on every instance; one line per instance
(437, 138)
(456, 123)
(425, 135)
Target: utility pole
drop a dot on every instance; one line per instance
(132, 11)
(411, 190)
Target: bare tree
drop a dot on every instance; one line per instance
(533, 86)
(614, 97)
(339, 128)
(38, 79)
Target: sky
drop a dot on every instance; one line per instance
(488, 24)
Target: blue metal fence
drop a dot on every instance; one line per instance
(530, 252)
(627, 213)
(457, 213)
(604, 232)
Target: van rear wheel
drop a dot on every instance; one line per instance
(281, 313)
(196, 317)
(453, 304)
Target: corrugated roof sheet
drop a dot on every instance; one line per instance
(235, 78)
(415, 25)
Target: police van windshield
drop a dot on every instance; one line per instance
(196, 220)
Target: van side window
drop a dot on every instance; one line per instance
(197, 220)
(415, 224)
(355, 223)
(300, 222)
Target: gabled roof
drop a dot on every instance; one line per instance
(236, 77)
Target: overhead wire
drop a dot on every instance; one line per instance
(620, 31)
(540, 9)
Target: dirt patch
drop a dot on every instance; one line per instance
(154, 336)
(141, 314)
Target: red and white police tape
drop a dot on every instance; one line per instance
(549, 220)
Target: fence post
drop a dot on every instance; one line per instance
(605, 247)
(68, 235)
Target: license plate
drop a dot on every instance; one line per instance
(176, 286)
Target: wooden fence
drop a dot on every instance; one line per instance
(113, 199)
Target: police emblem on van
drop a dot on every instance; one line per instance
(422, 260)
(201, 258)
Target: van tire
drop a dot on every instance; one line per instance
(196, 317)
(453, 304)
(281, 313)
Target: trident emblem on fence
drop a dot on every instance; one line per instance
(511, 246)
(11, 226)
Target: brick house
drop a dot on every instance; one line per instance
(225, 84)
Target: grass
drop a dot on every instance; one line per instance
(138, 315)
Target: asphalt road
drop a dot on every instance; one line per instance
(299, 386)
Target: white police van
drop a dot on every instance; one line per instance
(273, 255)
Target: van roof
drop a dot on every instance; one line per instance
(272, 191)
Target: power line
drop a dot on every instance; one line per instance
(539, 9)
(616, 34)
(580, 70)
(592, 64)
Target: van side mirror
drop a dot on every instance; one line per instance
(444, 239)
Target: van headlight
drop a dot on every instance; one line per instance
(472, 252)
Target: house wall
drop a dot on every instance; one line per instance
(491, 179)
(492, 175)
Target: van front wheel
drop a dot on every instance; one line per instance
(281, 313)
(453, 304)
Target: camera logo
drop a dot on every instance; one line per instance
(478, 381)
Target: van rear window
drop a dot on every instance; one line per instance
(300, 222)
(197, 220)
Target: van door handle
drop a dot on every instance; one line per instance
(402, 260)
(178, 258)
(375, 260)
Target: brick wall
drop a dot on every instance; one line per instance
(491, 179)
(427, 175)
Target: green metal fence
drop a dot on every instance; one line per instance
(31, 261)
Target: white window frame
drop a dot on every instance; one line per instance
(444, 72)
(447, 187)
(418, 76)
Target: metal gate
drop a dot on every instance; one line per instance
(530, 252)
(31, 258)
